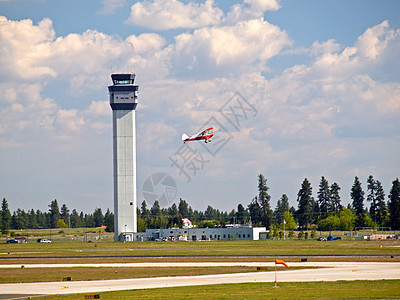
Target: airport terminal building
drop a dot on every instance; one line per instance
(200, 234)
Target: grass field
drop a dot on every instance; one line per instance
(220, 248)
(380, 289)
(64, 249)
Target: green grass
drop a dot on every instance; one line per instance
(380, 289)
(100, 273)
(265, 247)
(65, 246)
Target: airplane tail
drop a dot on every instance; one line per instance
(184, 137)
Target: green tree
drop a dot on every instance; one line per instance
(371, 197)
(155, 210)
(173, 210)
(381, 211)
(290, 223)
(144, 212)
(394, 205)
(241, 214)
(98, 217)
(305, 200)
(54, 213)
(14, 221)
(32, 220)
(210, 213)
(41, 219)
(61, 224)
(5, 217)
(331, 222)
(346, 219)
(255, 212)
(324, 197)
(335, 197)
(89, 221)
(23, 219)
(141, 224)
(109, 221)
(64, 214)
(183, 208)
(75, 219)
(357, 195)
(281, 206)
(264, 198)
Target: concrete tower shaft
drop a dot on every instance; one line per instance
(123, 101)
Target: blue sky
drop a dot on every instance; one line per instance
(320, 81)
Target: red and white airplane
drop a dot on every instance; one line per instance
(203, 135)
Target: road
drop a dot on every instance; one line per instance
(327, 271)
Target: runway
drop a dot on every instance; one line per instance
(326, 271)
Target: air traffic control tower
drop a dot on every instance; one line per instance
(123, 101)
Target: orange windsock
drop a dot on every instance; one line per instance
(281, 262)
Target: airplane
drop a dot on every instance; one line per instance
(202, 135)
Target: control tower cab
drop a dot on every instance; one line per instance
(123, 92)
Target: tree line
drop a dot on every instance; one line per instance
(54, 218)
(326, 211)
(323, 213)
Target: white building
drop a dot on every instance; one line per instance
(202, 234)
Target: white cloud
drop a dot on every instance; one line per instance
(312, 119)
(146, 43)
(98, 108)
(70, 120)
(369, 54)
(110, 6)
(171, 14)
(250, 9)
(243, 47)
(264, 5)
(374, 40)
(24, 48)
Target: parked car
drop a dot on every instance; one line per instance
(44, 241)
(12, 242)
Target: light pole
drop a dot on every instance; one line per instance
(284, 222)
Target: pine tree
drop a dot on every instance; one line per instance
(14, 220)
(305, 200)
(54, 214)
(324, 198)
(5, 217)
(32, 220)
(155, 210)
(381, 209)
(281, 206)
(357, 195)
(372, 188)
(98, 217)
(255, 212)
(75, 219)
(264, 198)
(64, 215)
(394, 205)
(41, 219)
(109, 221)
(241, 214)
(278, 212)
(285, 202)
(183, 208)
(335, 197)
